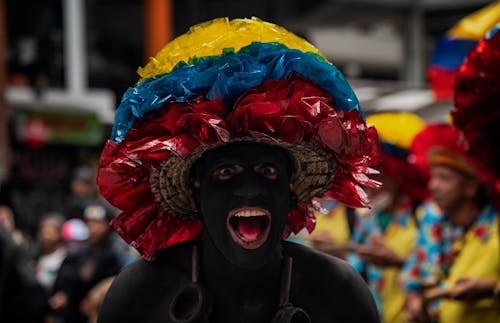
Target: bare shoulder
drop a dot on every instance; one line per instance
(144, 288)
(309, 261)
(329, 287)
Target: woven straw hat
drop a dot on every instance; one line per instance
(227, 82)
(172, 183)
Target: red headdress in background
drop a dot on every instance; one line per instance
(396, 131)
(477, 108)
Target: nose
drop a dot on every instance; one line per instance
(250, 187)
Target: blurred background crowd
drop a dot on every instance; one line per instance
(429, 245)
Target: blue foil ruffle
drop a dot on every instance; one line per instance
(450, 52)
(393, 150)
(226, 77)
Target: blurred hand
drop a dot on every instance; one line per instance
(87, 270)
(472, 289)
(58, 301)
(321, 237)
(7, 218)
(414, 308)
(378, 253)
(330, 247)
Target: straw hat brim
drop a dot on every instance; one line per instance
(172, 183)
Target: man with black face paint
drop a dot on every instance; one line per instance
(215, 161)
(244, 197)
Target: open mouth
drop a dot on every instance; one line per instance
(249, 226)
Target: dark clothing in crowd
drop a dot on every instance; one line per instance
(22, 299)
(79, 272)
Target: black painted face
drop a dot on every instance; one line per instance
(244, 196)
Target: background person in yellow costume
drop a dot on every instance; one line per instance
(334, 225)
(477, 114)
(460, 248)
(457, 247)
(332, 233)
(384, 236)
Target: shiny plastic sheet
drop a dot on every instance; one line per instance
(297, 110)
(396, 132)
(248, 78)
(289, 110)
(477, 113)
(213, 37)
(226, 77)
(476, 25)
(477, 87)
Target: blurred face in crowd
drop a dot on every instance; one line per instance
(450, 189)
(82, 188)
(50, 233)
(384, 197)
(6, 218)
(98, 230)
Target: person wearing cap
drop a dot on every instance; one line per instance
(215, 157)
(82, 192)
(84, 267)
(457, 252)
(75, 233)
(384, 236)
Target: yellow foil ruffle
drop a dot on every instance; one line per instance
(211, 37)
(397, 128)
(476, 25)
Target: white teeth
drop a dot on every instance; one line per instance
(249, 213)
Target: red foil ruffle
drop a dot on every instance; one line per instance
(290, 110)
(477, 113)
(412, 181)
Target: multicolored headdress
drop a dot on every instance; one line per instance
(396, 131)
(452, 48)
(441, 144)
(226, 81)
(477, 108)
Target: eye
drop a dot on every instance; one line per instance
(268, 171)
(226, 172)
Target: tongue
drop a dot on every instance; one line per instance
(249, 229)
